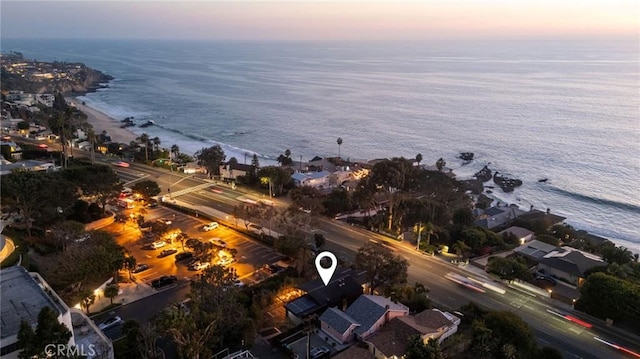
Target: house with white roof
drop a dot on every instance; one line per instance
(312, 179)
(524, 235)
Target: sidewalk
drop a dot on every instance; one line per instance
(129, 292)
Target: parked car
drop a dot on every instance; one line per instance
(199, 265)
(113, 321)
(218, 242)
(140, 268)
(209, 227)
(318, 352)
(164, 220)
(163, 281)
(167, 252)
(226, 261)
(305, 210)
(158, 244)
(183, 255)
(152, 203)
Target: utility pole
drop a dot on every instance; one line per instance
(300, 163)
(419, 235)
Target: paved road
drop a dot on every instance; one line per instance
(144, 309)
(574, 341)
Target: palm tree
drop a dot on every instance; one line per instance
(175, 151)
(144, 139)
(156, 143)
(339, 144)
(440, 163)
(419, 158)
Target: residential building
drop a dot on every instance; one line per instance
(496, 217)
(391, 341)
(233, 170)
(345, 287)
(12, 149)
(362, 318)
(7, 167)
(312, 179)
(523, 234)
(569, 264)
(535, 250)
(23, 295)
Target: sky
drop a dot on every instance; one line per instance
(321, 20)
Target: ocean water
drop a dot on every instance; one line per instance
(566, 111)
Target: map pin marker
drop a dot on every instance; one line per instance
(326, 273)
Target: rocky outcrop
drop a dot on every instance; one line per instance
(484, 174)
(507, 184)
(466, 156)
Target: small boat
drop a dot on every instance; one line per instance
(147, 124)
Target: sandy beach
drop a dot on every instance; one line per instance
(102, 122)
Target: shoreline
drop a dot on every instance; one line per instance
(103, 122)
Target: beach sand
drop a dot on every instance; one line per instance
(102, 122)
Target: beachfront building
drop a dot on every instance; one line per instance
(230, 171)
(524, 235)
(312, 179)
(569, 264)
(23, 295)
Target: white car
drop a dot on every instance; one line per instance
(110, 323)
(218, 242)
(211, 226)
(200, 265)
(158, 244)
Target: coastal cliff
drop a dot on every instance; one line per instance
(20, 74)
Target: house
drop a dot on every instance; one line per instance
(362, 318)
(496, 217)
(11, 149)
(523, 234)
(569, 264)
(338, 325)
(535, 250)
(23, 295)
(345, 287)
(391, 341)
(7, 167)
(191, 167)
(311, 179)
(233, 170)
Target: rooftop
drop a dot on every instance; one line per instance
(354, 352)
(572, 261)
(337, 320)
(368, 309)
(22, 298)
(535, 249)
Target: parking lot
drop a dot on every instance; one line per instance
(250, 257)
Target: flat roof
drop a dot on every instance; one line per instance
(21, 298)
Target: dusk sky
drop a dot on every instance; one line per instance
(328, 20)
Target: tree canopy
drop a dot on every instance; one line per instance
(381, 265)
(48, 331)
(210, 158)
(146, 188)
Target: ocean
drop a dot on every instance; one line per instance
(565, 111)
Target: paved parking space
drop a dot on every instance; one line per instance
(251, 255)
